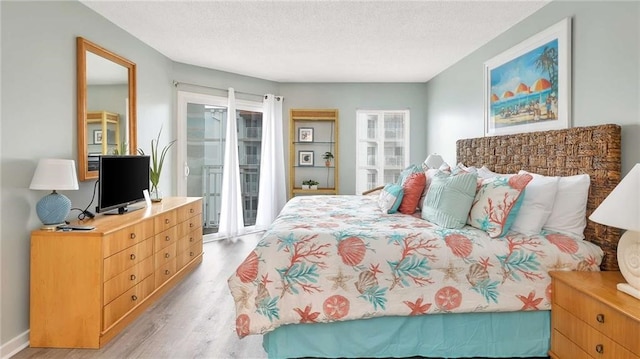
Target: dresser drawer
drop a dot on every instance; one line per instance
(189, 210)
(127, 258)
(586, 337)
(165, 272)
(117, 285)
(599, 316)
(166, 220)
(164, 255)
(127, 301)
(188, 240)
(166, 238)
(126, 237)
(563, 348)
(188, 255)
(189, 225)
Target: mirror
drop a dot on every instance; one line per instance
(106, 106)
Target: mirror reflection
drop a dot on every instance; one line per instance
(106, 106)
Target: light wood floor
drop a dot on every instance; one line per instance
(194, 320)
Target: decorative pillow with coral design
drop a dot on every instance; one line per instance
(497, 203)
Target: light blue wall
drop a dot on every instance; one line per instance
(350, 97)
(606, 75)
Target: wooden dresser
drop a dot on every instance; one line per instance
(590, 318)
(87, 286)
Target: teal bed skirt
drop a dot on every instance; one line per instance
(491, 335)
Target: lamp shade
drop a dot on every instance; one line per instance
(433, 161)
(52, 175)
(55, 174)
(621, 208)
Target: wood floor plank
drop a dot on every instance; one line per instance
(196, 319)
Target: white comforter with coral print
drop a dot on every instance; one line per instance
(333, 258)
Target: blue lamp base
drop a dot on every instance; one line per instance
(53, 209)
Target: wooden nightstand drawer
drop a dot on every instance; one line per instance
(599, 316)
(165, 272)
(166, 220)
(166, 238)
(164, 255)
(127, 279)
(189, 210)
(586, 337)
(565, 348)
(127, 301)
(190, 225)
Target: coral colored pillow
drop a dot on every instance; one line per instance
(413, 187)
(497, 203)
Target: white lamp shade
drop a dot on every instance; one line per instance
(621, 209)
(55, 174)
(433, 161)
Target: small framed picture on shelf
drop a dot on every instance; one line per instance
(97, 137)
(305, 158)
(305, 134)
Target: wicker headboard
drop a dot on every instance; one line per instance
(593, 150)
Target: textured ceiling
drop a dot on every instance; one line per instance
(318, 41)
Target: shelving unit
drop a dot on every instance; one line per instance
(312, 132)
(109, 125)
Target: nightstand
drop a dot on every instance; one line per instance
(590, 318)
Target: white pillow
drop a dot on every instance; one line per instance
(569, 213)
(537, 204)
(485, 173)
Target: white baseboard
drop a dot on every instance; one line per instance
(13, 346)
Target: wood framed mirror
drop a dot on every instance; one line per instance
(107, 123)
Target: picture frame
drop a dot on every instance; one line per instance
(305, 134)
(97, 137)
(305, 158)
(528, 87)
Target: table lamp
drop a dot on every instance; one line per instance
(621, 209)
(433, 161)
(53, 175)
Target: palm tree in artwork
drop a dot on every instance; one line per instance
(548, 61)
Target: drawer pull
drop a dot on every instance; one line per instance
(191, 210)
(190, 254)
(167, 238)
(167, 255)
(600, 348)
(134, 297)
(600, 318)
(133, 277)
(167, 272)
(132, 236)
(166, 221)
(190, 239)
(132, 256)
(190, 225)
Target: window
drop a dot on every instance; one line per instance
(383, 147)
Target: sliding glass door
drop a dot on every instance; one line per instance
(202, 123)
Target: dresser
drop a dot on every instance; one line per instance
(590, 318)
(87, 286)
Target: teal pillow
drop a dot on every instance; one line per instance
(407, 172)
(390, 198)
(449, 199)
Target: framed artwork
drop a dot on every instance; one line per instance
(305, 158)
(305, 134)
(97, 137)
(528, 87)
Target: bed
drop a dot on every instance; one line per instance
(399, 286)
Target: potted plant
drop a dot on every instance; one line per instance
(155, 168)
(327, 157)
(310, 184)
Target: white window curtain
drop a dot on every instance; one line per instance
(231, 216)
(272, 196)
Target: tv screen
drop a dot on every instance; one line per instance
(122, 180)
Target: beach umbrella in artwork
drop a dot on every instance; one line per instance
(507, 94)
(541, 84)
(522, 89)
(494, 98)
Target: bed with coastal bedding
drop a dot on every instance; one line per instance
(452, 262)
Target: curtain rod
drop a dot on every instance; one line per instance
(176, 83)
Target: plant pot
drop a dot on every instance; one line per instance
(156, 196)
(305, 186)
(327, 163)
(315, 186)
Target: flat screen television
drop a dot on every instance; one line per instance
(121, 182)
